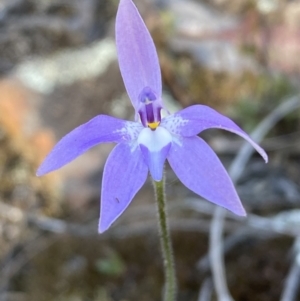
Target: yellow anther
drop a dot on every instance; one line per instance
(153, 125)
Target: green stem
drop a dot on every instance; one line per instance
(166, 244)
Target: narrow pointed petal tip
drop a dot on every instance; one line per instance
(137, 55)
(40, 172)
(195, 119)
(124, 174)
(238, 210)
(242, 213)
(264, 155)
(199, 169)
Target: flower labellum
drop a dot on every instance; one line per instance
(145, 145)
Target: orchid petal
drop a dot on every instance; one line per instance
(137, 55)
(200, 170)
(100, 129)
(155, 146)
(195, 119)
(124, 174)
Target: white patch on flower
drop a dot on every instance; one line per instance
(130, 131)
(174, 123)
(177, 140)
(155, 140)
(133, 145)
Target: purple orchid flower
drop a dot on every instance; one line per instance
(146, 143)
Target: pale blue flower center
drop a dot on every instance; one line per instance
(154, 140)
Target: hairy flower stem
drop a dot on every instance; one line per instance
(166, 244)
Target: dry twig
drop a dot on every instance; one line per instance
(291, 286)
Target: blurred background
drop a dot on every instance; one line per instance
(58, 69)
